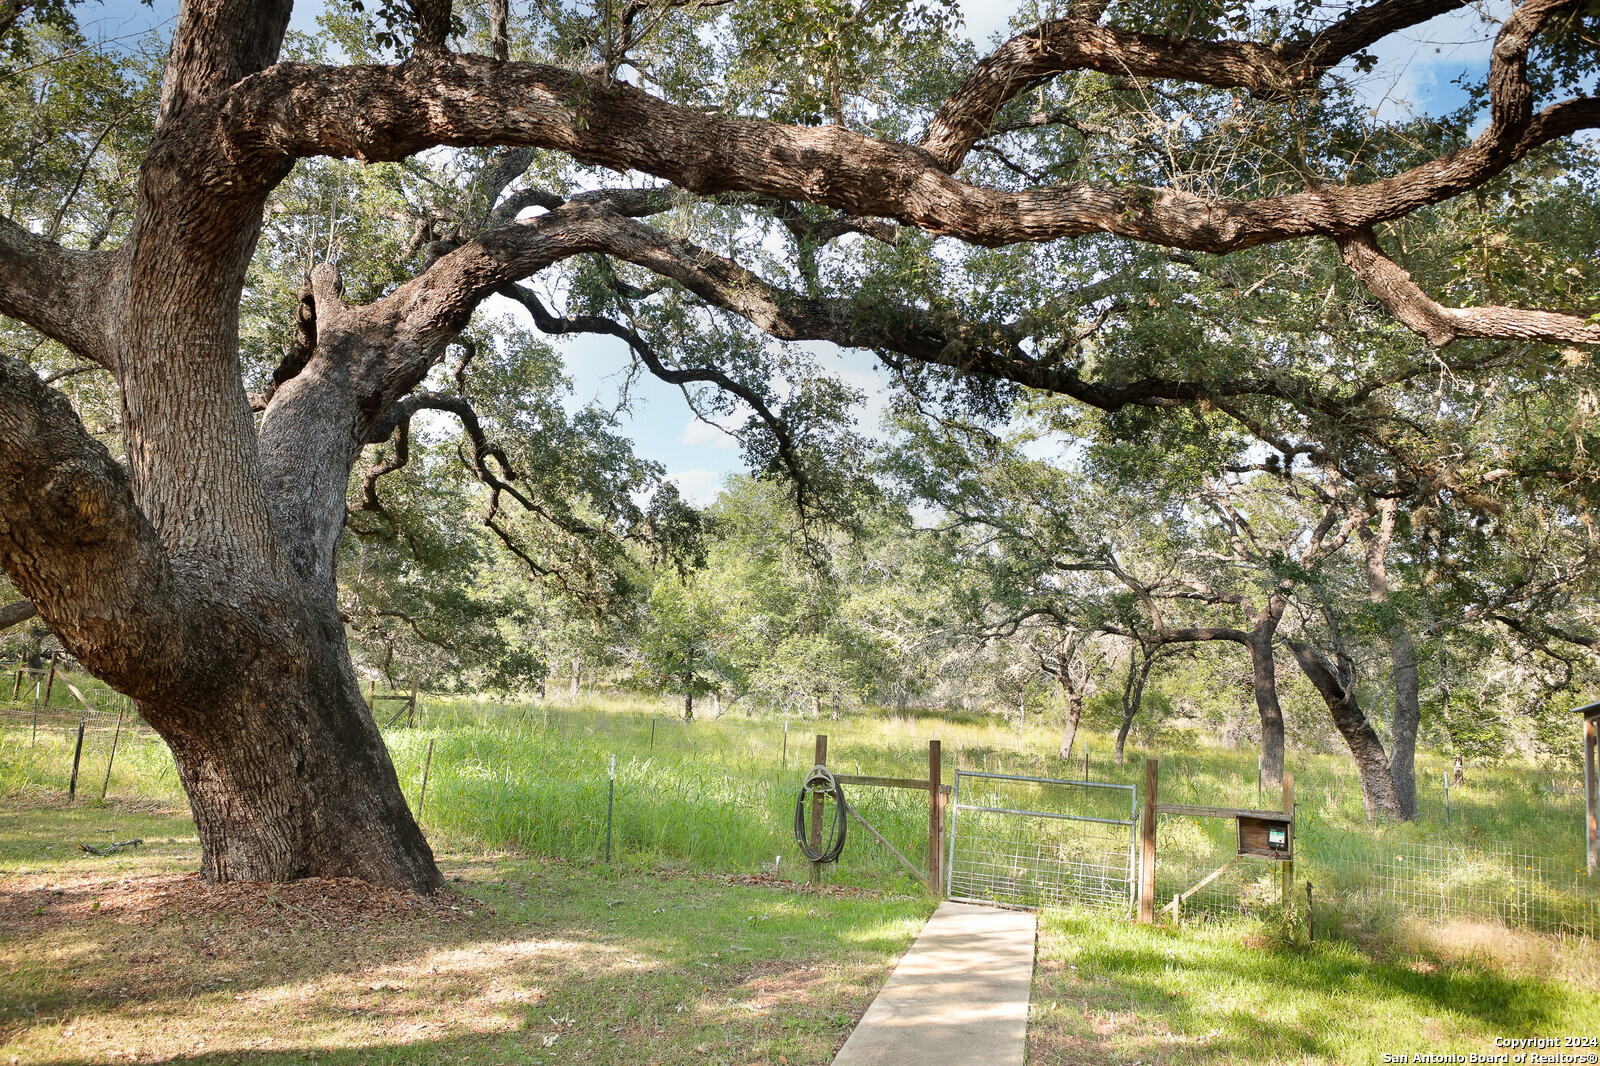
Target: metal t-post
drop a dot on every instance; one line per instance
(611, 799)
(77, 754)
(935, 818)
(1288, 864)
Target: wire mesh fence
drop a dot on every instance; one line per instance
(1037, 841)
(1198, 859)
(1441, 881)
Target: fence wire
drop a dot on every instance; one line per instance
(1032, 842)
(1190, 849)
(1443, 881)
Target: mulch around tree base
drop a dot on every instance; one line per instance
(35, 903)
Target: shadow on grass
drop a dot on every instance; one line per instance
(605, 964)
(1239, 998)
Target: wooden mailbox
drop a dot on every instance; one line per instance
(1268, 834)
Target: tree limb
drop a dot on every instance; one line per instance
(57, 291)
(1055, 47)
(1392, 287)
(75, 543)
(386, 113)
(16, 613)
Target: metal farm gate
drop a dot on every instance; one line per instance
(1030, 841)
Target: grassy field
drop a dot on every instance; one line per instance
(690, 946)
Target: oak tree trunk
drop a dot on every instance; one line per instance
(1069, 735)
(1264, 680)
(1133, 696)
(1333, 684)
(1404, 722)
(1405, 717)
(312, 793)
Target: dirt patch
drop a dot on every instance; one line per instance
(783, 884)
(42, 903)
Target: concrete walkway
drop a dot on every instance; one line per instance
(958, 998)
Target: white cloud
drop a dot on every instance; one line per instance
(698, 486)
(982, 19)
(1416, 66)
(698, 434)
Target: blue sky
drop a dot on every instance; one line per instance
(1414, 74)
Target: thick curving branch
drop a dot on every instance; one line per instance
(55, 290)
(77, 546)
(386, 113)
(1392, 287)
(1067, 44)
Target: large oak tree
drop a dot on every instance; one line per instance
(197, 574)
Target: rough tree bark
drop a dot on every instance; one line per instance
(1069, 730)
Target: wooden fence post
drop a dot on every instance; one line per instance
(1591, 792)
(1147, 849)
(50, 683)
(936, 819)
(1288, 864)
(816, 811)
(16, 689)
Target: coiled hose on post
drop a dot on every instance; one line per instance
(820, 782)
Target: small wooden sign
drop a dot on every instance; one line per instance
(1267, 834)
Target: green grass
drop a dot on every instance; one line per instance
(1237, 993)
(532, 961)
(718, 795)
(665, 955)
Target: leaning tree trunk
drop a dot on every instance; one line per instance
(1406, 715)
(243, 670)
(1333, 684)
(311, 792)
(1133, 696)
